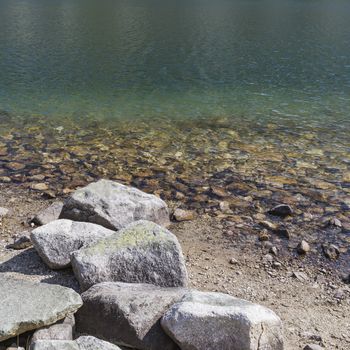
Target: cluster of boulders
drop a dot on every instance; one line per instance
(134, 284)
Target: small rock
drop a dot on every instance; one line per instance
(49, 214)
(303, 247)
(233, 261)
(274, 251)
(282, 210)
(335, 222)
(22, 241)
(268, 224)
(264, 236)
(313, 347)
(41, 186)
(184, 215)
(283, 232)
(331, 251)
(3, 212)
(301, 276)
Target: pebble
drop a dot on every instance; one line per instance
(335, 222)
(274, 251)
(331, 251)
(303, 247)
(3, 212)
(281, 210)
(184, 215)
(39, 186)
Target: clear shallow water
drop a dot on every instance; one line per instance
(243, 102)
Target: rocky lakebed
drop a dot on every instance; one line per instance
(103, 270)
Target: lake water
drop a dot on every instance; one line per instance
(183, 98)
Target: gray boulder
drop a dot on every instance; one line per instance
(49, 214)
(143, 252)
(54, 345)
(114, 205)
(26, 306)
(55, 241)
(92, 343)
(214, 321)
(128, 314)
(61, 331)
(82, 343)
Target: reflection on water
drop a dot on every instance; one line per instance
(225, 108)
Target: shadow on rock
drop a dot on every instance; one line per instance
(29, 263)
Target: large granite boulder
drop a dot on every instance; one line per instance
(214, 321)
(56, 241)
(82, 343)
(128, 314)
(114, 205)
(142, 252)
(26, 306)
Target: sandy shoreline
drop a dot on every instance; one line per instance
(308, 295)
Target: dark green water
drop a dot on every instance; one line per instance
(258, 59)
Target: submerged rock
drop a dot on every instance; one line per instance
(143, 252)
(281, 210)
(55, 241)
(128, 314)
(213, 321)
(26, 306)
(114, 205)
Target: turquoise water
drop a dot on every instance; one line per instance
(257, 60)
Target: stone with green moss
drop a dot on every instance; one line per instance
(143, 252)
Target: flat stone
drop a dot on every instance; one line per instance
(49, 214)
(143, 252)
(184, 215)
(56, 240)
(131, 314)
(213, 321)
(41, 186)
(26, 306)
(114, 205)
